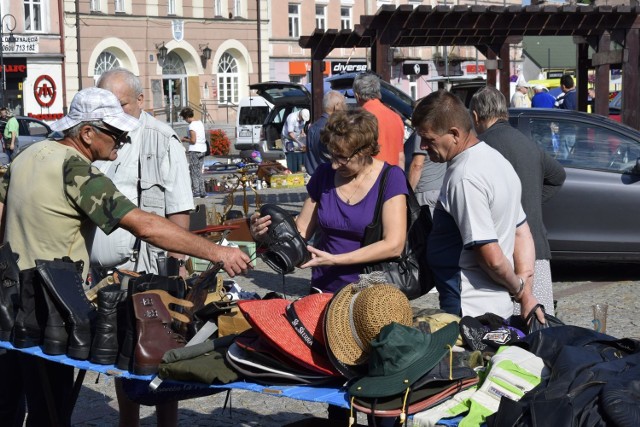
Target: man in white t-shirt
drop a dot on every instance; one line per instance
(480, 248)
(293, 135)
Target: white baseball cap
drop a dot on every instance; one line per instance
(305, 114)
(94, 104)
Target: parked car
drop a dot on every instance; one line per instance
(594, 216)
(290, 97)
(286, 98)
(252, 112)
(30, 131)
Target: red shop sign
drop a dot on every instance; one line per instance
(45, 91)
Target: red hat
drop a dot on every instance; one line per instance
(294, 328)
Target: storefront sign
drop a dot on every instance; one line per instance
(44, 91)
(415, 69)
(558, 74)
(47, 117)
(338, 67)
(299, 68)
(24, 44)
(473, 69)
(16, 68)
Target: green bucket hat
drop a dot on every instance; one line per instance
(400, 356)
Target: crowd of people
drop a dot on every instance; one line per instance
(566, 100)
(119, 183)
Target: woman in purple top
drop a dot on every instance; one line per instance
(341, 202)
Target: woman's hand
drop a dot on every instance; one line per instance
(259, 226)
(319, 258)
(527, 303)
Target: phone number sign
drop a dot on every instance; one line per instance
(24, 44)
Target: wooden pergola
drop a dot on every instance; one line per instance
(491, 29)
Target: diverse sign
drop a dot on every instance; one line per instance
(338, 67)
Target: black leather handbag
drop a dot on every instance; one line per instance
(409, 272)
(534, 324)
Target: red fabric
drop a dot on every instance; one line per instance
(390, 132)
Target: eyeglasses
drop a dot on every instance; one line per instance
(119, 138)
(344, 161)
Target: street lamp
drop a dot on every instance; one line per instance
(11, 25)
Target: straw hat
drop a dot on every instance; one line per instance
(355, 316)
(294, 328)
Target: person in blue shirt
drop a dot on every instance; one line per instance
(567, 100)
(542, 98)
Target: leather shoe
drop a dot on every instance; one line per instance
(286, 249)
(154, 334)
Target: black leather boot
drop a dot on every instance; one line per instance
(9, 290)
(26, 330)
(104, 347)
(286, 249)
(51, 320)
(64, 282)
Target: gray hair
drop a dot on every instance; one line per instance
(332, 101)
(489, 103)
(127, 76)
(367, 86)
(74, 131)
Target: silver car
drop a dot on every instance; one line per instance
(594, 215)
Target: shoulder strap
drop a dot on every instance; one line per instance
(383, 182)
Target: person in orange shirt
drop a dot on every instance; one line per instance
(366, 88)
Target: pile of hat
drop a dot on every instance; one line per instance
(363, 333)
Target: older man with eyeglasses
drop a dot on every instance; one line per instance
(51, 198)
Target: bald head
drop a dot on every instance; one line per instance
(126, 87)
(333, 101)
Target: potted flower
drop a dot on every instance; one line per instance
(219, 142)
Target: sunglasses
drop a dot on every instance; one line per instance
(343, 161)
(120, 138)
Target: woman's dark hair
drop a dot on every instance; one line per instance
(186, 113)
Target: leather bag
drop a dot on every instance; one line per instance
(534, 323)
(409, 272)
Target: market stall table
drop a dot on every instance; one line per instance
(330, 395)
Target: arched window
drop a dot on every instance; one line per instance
(105, 62)
(227, 79)
(173, 64)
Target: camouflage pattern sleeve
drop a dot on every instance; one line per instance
(4, 187)
(94, 194)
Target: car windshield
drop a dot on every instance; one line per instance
(253, 115)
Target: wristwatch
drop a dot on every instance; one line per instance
(514, 296)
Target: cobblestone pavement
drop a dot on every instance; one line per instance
(576, 286)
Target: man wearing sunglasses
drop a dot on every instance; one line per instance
(51, 198)
(153, 173)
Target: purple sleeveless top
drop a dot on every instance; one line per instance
(341, 226)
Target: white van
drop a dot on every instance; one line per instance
(252, 112)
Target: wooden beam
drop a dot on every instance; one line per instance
(582, 75)
(630, 84)
(601, 104)
(608, 57)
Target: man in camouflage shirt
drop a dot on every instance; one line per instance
(52, 197)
